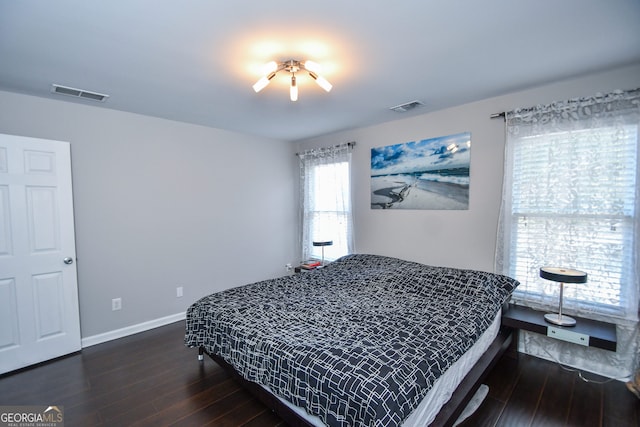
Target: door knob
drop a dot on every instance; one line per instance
(68, 260)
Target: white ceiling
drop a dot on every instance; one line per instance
(195, 61)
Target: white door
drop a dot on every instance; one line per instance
(39, 314)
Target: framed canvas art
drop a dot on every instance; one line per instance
(427, 174)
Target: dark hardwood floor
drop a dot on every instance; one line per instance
(151, 379)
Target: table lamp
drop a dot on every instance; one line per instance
(562, 275)
(323, 244)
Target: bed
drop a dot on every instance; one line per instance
(360, 342)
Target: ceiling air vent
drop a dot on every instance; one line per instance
(402, 108)
(78, 93)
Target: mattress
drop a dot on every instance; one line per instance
(442, 389)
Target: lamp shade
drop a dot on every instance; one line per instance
(563, 275)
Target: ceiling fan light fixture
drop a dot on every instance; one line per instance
(321, 81)
(263, 82)
(311, 66)
(270, 67)
(293, 91)
(292, 66)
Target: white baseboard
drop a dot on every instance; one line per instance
(130, 330)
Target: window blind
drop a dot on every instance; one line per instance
(573, 205)
(570, 200)
(325, 189)
(329, 209)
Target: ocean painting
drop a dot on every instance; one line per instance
(428, 174)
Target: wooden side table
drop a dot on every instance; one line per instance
(299, 269)
(586, 332)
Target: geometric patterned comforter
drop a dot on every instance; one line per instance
(357, 343)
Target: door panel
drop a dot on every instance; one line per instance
(49, 303)
(4, 168)
(39, 313)
(8, 314)
(39, 162)
(5, 222)
(42, 212)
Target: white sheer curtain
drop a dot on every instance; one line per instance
(325, 192)
(571, 199)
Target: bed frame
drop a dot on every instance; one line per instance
(448, 414)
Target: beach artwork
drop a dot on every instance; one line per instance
(428, 174)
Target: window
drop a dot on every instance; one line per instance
(326, 195)
(571, 200)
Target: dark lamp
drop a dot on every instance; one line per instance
(323, 244)
(562, 276)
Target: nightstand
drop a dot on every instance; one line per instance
(586, 332)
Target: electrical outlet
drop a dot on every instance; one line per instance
(289, 267)
(179, 292)
(116, 304)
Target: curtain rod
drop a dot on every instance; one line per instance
(350, 144)
(570, 103)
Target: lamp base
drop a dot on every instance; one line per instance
(560, 320)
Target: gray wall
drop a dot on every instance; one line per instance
(466, 238)
(160, 204)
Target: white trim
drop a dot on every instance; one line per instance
(133, 329)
